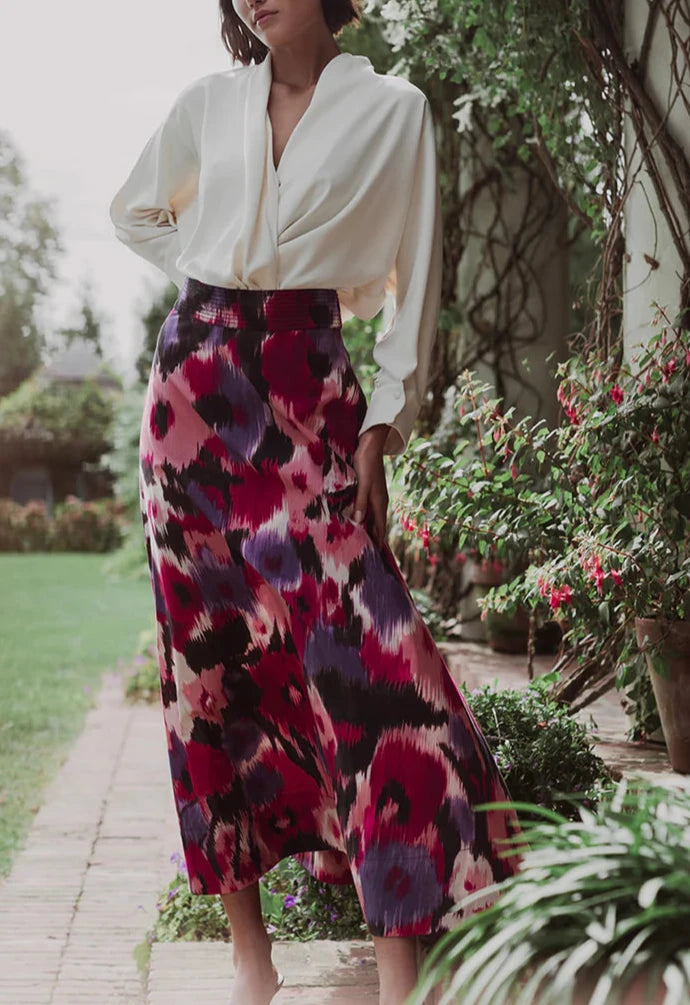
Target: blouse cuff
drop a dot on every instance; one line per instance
(395, 403)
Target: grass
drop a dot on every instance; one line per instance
(62, 624)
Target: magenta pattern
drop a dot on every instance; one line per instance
(307, 709)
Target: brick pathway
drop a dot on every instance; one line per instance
(82, 893)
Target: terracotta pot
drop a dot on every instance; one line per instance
(672, 694)
(487, 573)
(634, 991)
(508, 633)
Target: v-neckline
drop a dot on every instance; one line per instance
(276, 170)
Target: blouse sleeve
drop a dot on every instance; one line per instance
(403, 352)
(161, 183)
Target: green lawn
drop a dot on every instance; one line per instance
(62, 624)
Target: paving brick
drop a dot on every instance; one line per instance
(82, 893)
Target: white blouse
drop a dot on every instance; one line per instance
(354, 206)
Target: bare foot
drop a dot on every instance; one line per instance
(254, 985)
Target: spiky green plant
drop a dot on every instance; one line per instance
(603, 898)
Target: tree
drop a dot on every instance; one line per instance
(153, 320)
(29, 245)
(88, 326)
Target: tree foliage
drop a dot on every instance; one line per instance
(29, 245)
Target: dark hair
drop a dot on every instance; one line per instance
(243, 44)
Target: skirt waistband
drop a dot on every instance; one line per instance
(263, 310)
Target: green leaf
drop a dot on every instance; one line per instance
(649, 891)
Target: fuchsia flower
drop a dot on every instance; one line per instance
(597, 574)
(617, 394)
(562, 595)
(557, 594)
(616, 577)
(425, 537)
(668, 369)
(655, 435)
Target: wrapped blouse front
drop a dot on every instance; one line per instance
(353, 206)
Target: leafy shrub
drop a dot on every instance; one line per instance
(433, 619)
(295, 906)
(9, 516)
(142, 678)
(94, 526)
(50, 420)
(541, 750)
(130, 560)
(86, 526)
(598, 900)
(30, 527)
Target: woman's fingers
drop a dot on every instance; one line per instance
(372, 496)
(372, 492)
(362, 497)
(379, 507)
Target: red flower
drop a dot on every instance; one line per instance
(655, 436)
(668, 369)
(562, 595)
(616, 577)
(617, 394)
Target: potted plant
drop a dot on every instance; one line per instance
(598, 913)
(602, 501)
(639, 526)
(541, 750)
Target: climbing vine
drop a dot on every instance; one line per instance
(536, 93)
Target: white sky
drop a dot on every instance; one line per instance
(83, 84)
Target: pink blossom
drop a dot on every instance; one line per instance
(425, 537)
(596, 573)
(571, 412)
(669, 368)
(562, 595)
(616, 577)
(617, 394)
(655, 435)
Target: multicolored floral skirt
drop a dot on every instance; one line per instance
(308, 711)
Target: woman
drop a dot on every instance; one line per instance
(308, 711)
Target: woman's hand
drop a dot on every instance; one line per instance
(372, 492)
